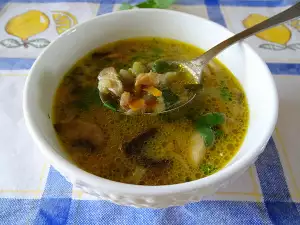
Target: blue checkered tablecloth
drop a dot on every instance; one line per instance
(33, 192)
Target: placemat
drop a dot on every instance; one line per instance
(33, 192)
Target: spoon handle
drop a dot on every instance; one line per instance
(290, 13)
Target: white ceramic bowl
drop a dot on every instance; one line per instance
(62, 53)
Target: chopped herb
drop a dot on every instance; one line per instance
(48, 116)
(87, 96)
(164, 4)
(161, 67)
(126, 6)
(91, 95)
(219, 133)
(211, 119)
(208, 169)
(147, 4)
(169, 97)
(226, 94)
(207, 134)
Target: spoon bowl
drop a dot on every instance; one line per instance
(195, 66)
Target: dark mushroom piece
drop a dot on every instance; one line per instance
(81, 135)
(135, 146)
(134, 149)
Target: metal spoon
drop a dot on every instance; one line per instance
(196, 65)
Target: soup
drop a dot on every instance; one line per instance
(154, 87)
(180, 146)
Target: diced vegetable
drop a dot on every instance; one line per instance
(138, 68)
(161, 67)
(153, 91)
(137, 104)
(197, 149)
(170, 77)
(141, 83)
(125, 100)
(211, 119)
(207, 134)
(146, 80)
(160, 105)
(127, 76)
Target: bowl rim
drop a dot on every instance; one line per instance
(68, 168)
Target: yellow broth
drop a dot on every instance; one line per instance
(77, 98)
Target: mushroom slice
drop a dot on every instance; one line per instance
(81, 134)
(109, 82)
(135, 146)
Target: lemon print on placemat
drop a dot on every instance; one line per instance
(279, 35)
(24, 26)
(295, 24)
(63, 20)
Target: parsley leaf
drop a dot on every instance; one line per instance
(211, 119)
(87, 96)
(161, 4)
(207, 134)
(126, 6)
(226, 94)
(208, 169)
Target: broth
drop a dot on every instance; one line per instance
(187, 144)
